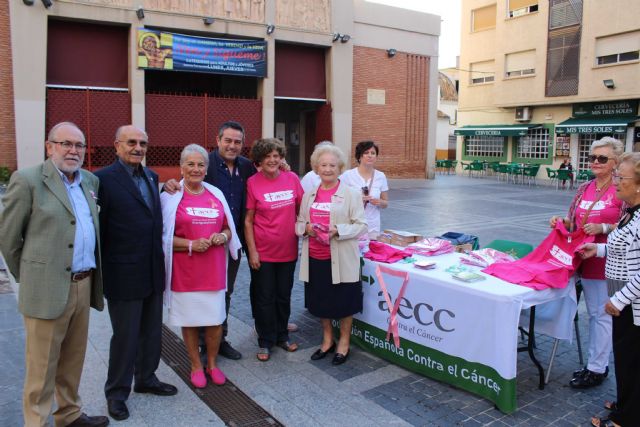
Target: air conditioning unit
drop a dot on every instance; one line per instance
(523, 114)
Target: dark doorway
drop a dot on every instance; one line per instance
(296, 125)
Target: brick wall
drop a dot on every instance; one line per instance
(399, 127)
(7, 122)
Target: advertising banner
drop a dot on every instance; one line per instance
(464, 334)
(161, 50)
(446, 333)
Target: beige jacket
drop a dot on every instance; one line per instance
(347, 214)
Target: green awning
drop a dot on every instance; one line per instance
(494, 130)
(595, 125)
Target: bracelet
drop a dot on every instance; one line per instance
(190, 246)
(605, 228)
(226, 239)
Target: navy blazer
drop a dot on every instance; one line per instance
(246, 169)
(131, 235)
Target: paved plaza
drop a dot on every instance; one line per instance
(366, 390)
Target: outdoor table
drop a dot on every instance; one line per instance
(465, 334)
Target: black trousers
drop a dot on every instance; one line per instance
(626, 354)
(232, 273)
(271, 301)
(135, 345)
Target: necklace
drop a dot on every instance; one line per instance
(604, 186)
(195, 193)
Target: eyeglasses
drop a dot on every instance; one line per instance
(133, 142)
(616, 177)
(68, 145)
(601, 159)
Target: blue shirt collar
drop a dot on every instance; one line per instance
(77, 177)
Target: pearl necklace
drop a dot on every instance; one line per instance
(195, 193)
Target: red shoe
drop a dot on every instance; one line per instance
(198, 379)
(217, 376)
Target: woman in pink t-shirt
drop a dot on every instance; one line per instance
(273, 200)
(596, 209)
(197, 227)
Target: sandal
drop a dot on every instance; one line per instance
(287, 346)
(602, 422)
(264, 354)
(610, 406)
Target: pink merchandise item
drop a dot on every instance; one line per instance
(319, 216)
(382, 252)
(430, 247)
(485, 257)
(549, 265)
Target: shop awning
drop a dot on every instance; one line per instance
(494, 130)
(595, 125)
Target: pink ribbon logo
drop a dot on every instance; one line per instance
(393, 321)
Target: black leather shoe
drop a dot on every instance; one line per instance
(319, 354)
(86, 421)
(117, 409)
(159, 389)
(229, 352)
(339, 358)
(588, 380)
(582, 372)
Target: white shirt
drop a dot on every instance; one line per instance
(353, 179)
(310, 181)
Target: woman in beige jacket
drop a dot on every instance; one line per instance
(330, 221)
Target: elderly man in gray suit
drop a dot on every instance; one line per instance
(49, 228)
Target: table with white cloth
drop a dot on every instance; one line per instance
(465, 334)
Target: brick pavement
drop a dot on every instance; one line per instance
(366, 390)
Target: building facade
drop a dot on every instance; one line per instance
(541, 80)
(339, 70)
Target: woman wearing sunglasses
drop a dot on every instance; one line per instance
(596, 209)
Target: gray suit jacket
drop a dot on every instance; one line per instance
(37, 226)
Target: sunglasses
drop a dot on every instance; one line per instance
(365, 190)
(600, 159)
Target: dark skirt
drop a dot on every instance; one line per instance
(329, 301)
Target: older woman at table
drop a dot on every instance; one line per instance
(596, 209)
(370, 182)
(331, 219)
(623, 280)
(273, 200)
(197, 227)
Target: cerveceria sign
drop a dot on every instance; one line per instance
(604, 109)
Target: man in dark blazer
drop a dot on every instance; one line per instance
(49, 235)
(133, 269)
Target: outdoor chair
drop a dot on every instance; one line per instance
(530, 172)
(584, 175)
(452, 165)
(503, 171)
(564, 175)
(552, 174)
(475, 167)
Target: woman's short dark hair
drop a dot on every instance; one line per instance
(262, 147)
(364, 146)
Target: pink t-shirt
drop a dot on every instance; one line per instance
(607, 210)
(276, 203)
(319, 214)
(196, 217)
